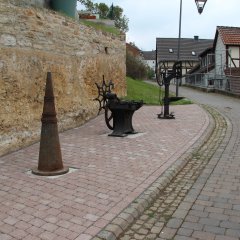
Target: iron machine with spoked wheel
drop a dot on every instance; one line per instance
(118, 113)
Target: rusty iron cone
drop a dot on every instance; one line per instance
(50, 157)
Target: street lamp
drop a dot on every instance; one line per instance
(200, 6)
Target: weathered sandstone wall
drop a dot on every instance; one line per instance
(34, 41)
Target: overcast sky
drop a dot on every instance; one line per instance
(149, 19)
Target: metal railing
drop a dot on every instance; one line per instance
(208, 81)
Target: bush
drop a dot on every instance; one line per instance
(136, 69)
(150, 73)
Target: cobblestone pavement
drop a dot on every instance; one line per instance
(203, 200)
(162, 220)
(107, 175)
(164, 183)
(165, 215)
(216, 212)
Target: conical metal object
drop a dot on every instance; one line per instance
(50, 157)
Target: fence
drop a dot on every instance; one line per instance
(213, 81)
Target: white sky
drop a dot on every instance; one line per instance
(149, 19)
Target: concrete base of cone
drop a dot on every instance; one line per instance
(50, 173)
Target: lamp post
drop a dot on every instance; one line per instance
(179, 40)
(200, 6)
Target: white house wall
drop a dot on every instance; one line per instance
(234, 53)
(150, 63)
(220, 57)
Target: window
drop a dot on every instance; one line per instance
(170, 50)
(193, 53)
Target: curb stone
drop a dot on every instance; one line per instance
(145, 199)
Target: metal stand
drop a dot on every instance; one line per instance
(118, 113)
(176, 73)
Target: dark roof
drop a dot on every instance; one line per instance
(149, 55)
(229, 35)
(206, 51)
(187, 47)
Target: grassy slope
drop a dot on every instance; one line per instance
(101, 26)
(139, 90)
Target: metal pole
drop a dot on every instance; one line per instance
(179, 41)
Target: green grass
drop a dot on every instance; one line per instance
(139, 90)
(182, 102)
(149, 93)
(101, 26)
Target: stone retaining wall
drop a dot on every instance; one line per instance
(34, 41)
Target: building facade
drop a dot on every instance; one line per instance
(167, 53)
(219, 66)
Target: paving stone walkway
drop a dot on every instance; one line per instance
(165, 215)
(163, 219)
(202, 202)
(108, 174)
(176, 179)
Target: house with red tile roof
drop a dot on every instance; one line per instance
(133, 50)
(219, 66)
(226, 47)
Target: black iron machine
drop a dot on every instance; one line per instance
(118, 113)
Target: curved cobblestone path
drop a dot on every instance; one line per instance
(167, 213)
(203, 200)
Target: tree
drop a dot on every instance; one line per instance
(103, 10)
(89, 5)
(121, 21)
(114, 13)
(122, 24)
(117, 12)
(150, 73)
(111, 14)
(136, 69)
